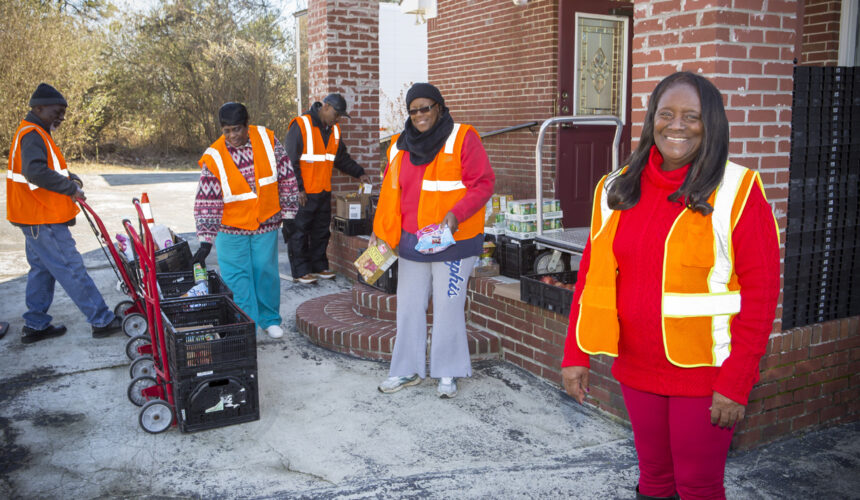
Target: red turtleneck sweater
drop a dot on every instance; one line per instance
(639, 248)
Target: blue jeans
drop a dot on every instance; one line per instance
(52, 256)
(249, 267)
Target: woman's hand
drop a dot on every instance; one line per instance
(303, 198)
(575, 382)
(451, 221)
(725, 412)
(373, 241)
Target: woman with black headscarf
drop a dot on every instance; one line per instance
(247, 186)
(438, 173)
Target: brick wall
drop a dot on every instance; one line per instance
(343, 55)
(495, 64)
(819, 44)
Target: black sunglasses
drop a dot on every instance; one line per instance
(425, 109)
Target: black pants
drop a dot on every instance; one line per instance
(307, 244)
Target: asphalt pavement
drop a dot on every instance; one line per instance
(69, 431)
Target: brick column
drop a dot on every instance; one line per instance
(748, 54)
(343, 44)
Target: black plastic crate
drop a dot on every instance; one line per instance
(207, 333)
(551, 297)
(516, 257)
(217, 400)
(174, 285)
(175, 258)
(387, 282)
(352, 227)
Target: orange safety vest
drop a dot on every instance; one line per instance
(243, 208)
(27, 203)
(700, 290)
(441, 189)
(317, 159)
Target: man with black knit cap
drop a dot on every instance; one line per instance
(40, 199)
(246, 189)
(314, 145)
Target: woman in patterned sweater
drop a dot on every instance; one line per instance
(247, 186)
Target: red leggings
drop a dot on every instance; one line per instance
(679, 450)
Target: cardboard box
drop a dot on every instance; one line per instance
(352, 205)
(375, 261)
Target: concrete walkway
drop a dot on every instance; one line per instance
(68, 430)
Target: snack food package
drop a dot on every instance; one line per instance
(433, 239)
(375, 261)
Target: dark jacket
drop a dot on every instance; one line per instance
(295, 145)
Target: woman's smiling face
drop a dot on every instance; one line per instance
(426, 112)
(678, 126)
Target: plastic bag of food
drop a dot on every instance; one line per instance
(433, 239)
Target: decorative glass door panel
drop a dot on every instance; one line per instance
(600, 62)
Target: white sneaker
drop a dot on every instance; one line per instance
(447, 387)
(275, 331)
(326, 275)
(394, 384)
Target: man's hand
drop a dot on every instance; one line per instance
(303, 198)
(373, 241)
(79, 195)
(365, 179)
(451, 221)
(575, 382)
(725, 412)
(77, 180)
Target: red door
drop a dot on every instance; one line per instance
(584, 152)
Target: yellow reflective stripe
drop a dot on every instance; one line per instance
(309, 139)
(721, 335)
(393, 152)
(226, 193)
(17, 140)
(336, 130)
(16, 177)
(270, 153)
(427, 185)
(686, 305)
(721, 225)
(452, 139)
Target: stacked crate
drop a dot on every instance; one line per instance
(822, 257)
(212, 355)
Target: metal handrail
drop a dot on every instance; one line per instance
(500, 131)
(583, 120)
(514, 128)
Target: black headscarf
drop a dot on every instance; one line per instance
(423, 147)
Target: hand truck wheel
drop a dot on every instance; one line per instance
(123, 307)
(131, 347)
(134, 324)
(155, 416)
(136, 387)
(143, 365)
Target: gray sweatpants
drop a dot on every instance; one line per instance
(449, 351)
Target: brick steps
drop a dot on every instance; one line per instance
(357, 323)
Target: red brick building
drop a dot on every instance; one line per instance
(501, 65)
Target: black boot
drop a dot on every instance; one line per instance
(640, 496)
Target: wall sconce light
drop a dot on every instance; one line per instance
(423, 9)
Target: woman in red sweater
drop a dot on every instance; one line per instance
(438, 173)
(679, 281)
